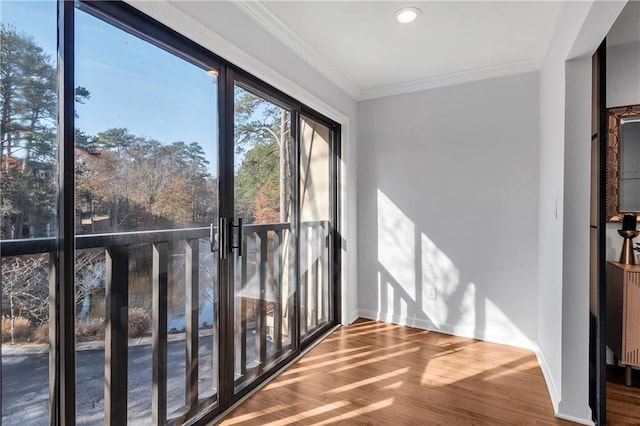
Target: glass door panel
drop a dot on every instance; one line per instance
(147, 210)
(263, 281)
(28, 205)
(149, 274)
(316, 207)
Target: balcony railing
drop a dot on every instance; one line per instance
(265, 257)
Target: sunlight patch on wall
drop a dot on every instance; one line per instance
(396, 253)
(461, 313)
(497, 320)
(441, 298)
(418, 284)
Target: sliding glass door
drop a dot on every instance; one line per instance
(146, 181)
(169, 240)
(264, 259)
(317, 218)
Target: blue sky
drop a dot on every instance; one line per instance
(133, 84)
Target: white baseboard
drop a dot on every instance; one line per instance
(575, 419)
(454, 330)
(548, 378)
(352, 317)
(553, 392)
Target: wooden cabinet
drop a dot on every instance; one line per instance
(623, 314)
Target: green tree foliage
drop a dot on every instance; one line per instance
(258, 178)
(138, 183)
(124, 182)
(27, 133)
(263, 142)
(28, 101)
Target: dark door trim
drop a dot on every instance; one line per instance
(598, 337)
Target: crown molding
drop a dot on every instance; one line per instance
(177, 20)
(267, 20)
(173, 17)
(451, 79)
(274, 26)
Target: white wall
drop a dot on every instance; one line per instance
(623, 58)
(623, 74)
(575, 249)
(448, 190)
(225, 30)
(565, 98)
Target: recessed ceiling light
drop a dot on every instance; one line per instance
(407, 14)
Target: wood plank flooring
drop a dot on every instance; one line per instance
(373, 373)
(623, 402)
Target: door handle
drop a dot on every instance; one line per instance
(222, 238)
(238, 235)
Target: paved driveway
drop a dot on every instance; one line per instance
(25, 393)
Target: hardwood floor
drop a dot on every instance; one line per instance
(623, 402)
(373, 373)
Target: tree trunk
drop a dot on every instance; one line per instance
(283, 167)
(29, 145)
(4, 125)
(19, 222)
(12, 318)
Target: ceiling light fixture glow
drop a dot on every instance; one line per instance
(407, 14)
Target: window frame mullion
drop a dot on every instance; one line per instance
(62, 302)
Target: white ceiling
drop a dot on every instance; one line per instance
(359, 46)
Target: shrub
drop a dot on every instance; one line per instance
(41, 333)
(139, 322)
(91, 330)
(21, 329)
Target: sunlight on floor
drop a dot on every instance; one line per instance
(377, 359)
(370, 380)
(393, 386)
(355, 413)
(250, 416)
(309, 413)
(336, 353)
(287, 382)
(374, 373)
(341, 360)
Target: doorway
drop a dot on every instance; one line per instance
(615, 387)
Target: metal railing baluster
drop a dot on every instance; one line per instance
(278, 275)
(244, 307)
(304, 275)
(159, 321)
(116, 246)
(313, 278)
(261, 319)
(324, 268)
(116, 335)
(53, 350)
(192, 267)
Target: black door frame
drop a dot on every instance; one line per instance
(62, 335)
(598, 337)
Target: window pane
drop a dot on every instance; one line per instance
(315, 225)
(263, 289)
(146, 175)
(28, 179)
